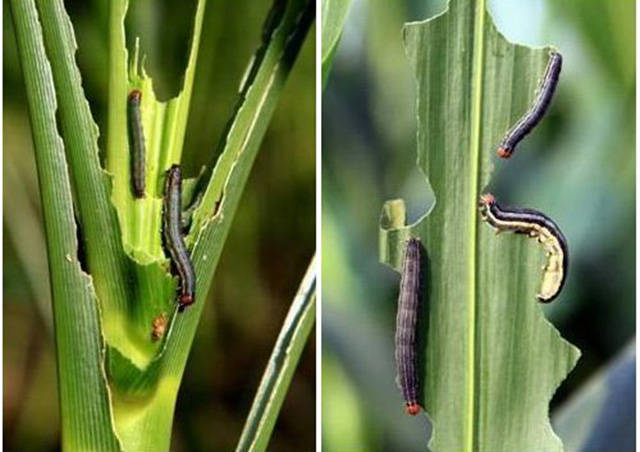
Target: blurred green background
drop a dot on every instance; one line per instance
(578, 167)
(271, 242)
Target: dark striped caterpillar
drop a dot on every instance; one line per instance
(406, 326)
(534, 224)
(537, 111)
(172, 232)
(136, 140)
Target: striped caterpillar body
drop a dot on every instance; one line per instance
(136, 140)
(406, 326)
(172, 231)
(537, 111)
(534, 224)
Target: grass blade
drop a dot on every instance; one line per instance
(282, 364)
(105, 257)
(212, 220)
(600, 415)
(334, 16)
(84, 400)
(155, 382)
(490, 360)
(164, 125)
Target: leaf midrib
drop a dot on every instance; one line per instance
(476, 107)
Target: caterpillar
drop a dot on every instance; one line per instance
(537, 111)
(534, 224)
(172, 232)
(406, 326)
(136, 140)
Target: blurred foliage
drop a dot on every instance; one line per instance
(600, 416)
(578, 167)
(334, 15)
(259, 271)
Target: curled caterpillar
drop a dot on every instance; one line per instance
(534, 224)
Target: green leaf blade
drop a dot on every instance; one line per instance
(281, 367)
(164, 125)
(97, 216)
(144, 404)
(84, 399)
(213, 218)
(334, 16)
(491, 360)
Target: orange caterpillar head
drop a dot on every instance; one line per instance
(135, 95)
(412, 408)
(185, 300)
(504, 152)
(487, 199)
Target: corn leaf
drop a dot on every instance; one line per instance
(489, 360)
(282, 364)
(334, 16)
(84, 399)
